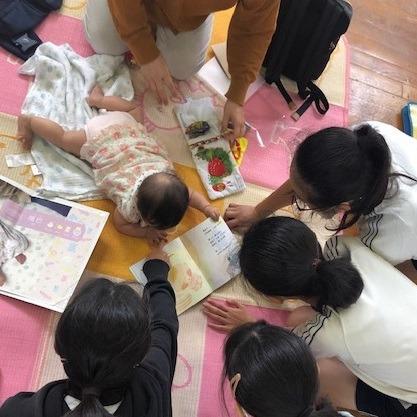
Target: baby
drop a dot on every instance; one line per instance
(129, 166)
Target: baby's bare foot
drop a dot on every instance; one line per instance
(96, 94)
(24, 131)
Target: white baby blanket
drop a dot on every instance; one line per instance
(62, 82)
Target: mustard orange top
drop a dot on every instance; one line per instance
(251, 28)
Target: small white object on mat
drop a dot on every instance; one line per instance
(35, 170)
(19, 160)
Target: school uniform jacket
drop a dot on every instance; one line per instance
(149, 392)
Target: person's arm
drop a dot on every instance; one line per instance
(227, 315)
(199, 202)
(280, 198)
(164, 321)
(252, 25)
(131, 21)
(111, 103)
(154, 236)
(241, 217)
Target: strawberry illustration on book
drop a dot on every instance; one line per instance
(219, 166)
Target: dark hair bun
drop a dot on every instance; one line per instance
(338, 284)
(373, 144)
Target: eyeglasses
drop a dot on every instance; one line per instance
(300, 204)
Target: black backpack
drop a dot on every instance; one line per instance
(18, 18)
(306, 35)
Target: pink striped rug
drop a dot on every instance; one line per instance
(23, 328)
(268, 111)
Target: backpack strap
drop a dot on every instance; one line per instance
(316, 96)
(285, 93)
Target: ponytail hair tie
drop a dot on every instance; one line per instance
(90, 391)
(234, 382)
(307, 412)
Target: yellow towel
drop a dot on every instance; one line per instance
(115, 252)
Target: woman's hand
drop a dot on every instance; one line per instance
(159, 80)
(239, 217)
(234, 117)
(225, 317)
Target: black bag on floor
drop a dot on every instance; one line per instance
(306, 35)
(18, 18)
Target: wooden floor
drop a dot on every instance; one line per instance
(383, 40)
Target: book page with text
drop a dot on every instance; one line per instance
(215, 250)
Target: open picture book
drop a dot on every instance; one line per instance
(211, 152)
(202, 260)
(45, 245)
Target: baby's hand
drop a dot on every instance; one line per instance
(95, 97)
(212, 212)
(155, 237)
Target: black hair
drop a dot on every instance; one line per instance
(343, 165)
(163, 199)
(102, 335)
(281, 256)
(278, 374)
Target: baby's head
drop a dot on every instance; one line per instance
(162, 200)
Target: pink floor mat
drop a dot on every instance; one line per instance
(22, 327)
(58, 29)
(269, 113)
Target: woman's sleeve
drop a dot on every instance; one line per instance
(164, 321)
(250, 32)
(131, 21)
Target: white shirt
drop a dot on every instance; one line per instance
(376, 338)
(74, 402)
(391, 229)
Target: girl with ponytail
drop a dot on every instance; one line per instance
(367, 175)
(272, 373)
(361, 312)
(104, 341)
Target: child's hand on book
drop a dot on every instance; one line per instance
(157, 252)
(225, 317)
(155, 237)
(212, 212)
(240, 217)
